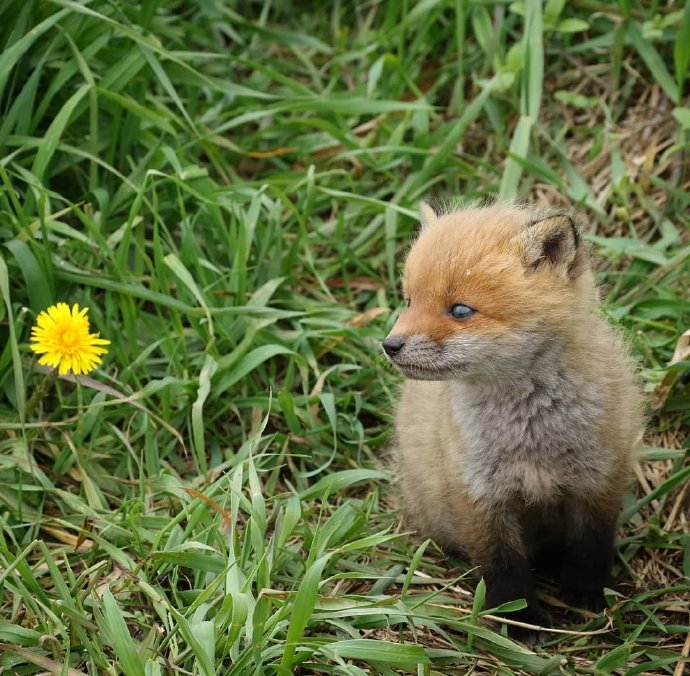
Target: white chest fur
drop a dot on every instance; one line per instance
(534, 439)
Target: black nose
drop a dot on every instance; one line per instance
(392, 345)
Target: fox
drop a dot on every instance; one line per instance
(519, 411)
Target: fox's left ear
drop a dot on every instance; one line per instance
(554, 241)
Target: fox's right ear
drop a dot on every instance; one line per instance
(427, 214)
(554, 241)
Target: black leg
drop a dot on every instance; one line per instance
(542, 532)
(548, 561)
(509, 578)
(588, 559)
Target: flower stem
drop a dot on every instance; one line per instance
(39, 393)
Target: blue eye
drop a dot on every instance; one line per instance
(460, 311)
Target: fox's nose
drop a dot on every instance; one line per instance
(392, 345)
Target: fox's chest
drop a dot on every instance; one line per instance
(536, 443)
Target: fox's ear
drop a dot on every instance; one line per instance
(553, 241)
(427, 214)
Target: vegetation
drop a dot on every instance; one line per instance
(230, 187)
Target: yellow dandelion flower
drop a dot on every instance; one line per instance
(62, 337)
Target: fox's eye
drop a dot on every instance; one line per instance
(460, 311)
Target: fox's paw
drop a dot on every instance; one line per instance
(529, 637)
(587, 599)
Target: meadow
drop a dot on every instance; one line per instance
(230, 188)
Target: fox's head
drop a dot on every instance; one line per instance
(487, 289)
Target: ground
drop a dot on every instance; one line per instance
(231, 188)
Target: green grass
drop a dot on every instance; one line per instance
(230, 188)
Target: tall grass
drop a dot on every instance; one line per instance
(230, 187)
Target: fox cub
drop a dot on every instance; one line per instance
(519, 411)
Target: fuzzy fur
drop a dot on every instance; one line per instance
(516, 426)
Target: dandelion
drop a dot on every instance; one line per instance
(62, 336)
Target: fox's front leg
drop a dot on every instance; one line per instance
(588, 554)
(506, 571)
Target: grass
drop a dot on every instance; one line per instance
(230, 187)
